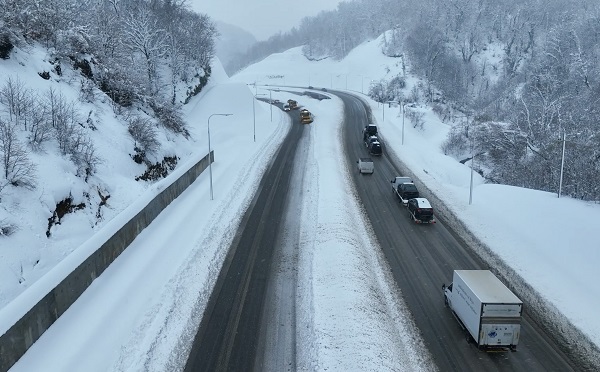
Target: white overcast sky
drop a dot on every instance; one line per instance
(262, 18)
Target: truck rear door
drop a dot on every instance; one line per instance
(501, 334)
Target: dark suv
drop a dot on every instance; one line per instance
(408, 191)
(420, 210)
(375, 148)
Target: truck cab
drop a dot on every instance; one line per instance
(370, 130)
(398, 180)
(293, 104)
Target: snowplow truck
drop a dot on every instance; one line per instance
(305, 117)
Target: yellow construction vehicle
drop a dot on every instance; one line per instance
(305, 117)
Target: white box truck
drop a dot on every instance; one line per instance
(486, 308)
(365, 165)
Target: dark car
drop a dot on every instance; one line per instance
(408, 191)
(420, 210)
(370, 140)
(375, 148)
(370, 130)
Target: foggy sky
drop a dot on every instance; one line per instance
(262, 18)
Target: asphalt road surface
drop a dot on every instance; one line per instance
(229, 336)
(422, 258)
(250, 318)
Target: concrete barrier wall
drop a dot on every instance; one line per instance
(15, 342)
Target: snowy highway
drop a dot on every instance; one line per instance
(366, 281)
(422, 257)
(143, 312)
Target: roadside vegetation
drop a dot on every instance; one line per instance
(146, 58)
(513, 78)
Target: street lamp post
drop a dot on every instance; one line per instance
(562, 164)
(254, 112)
(210, 157)
(403, 108)
(471, 185)
(562, 161)
(271, 103)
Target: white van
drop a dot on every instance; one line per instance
(365, 165)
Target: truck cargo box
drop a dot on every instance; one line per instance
(486, 307)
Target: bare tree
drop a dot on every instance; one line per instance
(416, 118)
(86, 91)
(84, 156)
(145, 39)
(18, 170)
(377, 91)
(40, 129)
(66, 126)
(17, 98)
(144, 135)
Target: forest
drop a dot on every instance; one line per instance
(518, 80)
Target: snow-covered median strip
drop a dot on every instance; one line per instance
(348, 300)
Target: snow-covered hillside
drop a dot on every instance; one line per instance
(27, 253)
(551, 243)
(532, 231)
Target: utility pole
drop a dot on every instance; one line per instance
(562, 163)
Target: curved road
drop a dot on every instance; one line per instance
(422, 257)
(239, 330)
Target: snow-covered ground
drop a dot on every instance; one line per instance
(28, 254)
(552, 244)
(140, 314)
